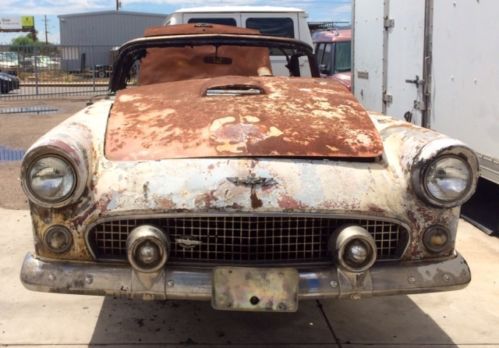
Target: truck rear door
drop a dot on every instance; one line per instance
(389, 56)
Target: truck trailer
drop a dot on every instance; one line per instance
(435, 64)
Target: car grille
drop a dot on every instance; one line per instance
(246, 239)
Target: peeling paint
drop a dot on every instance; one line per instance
(144, 125)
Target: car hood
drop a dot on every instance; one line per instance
(271, 117)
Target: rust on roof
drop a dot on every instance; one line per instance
(291, 117)
(199, 28)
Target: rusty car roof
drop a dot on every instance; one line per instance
(292, 117)
(198, 28)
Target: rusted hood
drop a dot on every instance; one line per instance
(292, 117)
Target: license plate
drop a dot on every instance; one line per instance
(255, 289)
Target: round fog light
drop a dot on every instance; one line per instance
(357, 252)
(355, 248)
(148, 253)
(58, 239)
(437, 239)
(148, 248)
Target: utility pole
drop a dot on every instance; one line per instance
(118, 5)
(46, 30)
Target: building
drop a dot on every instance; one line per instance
(88, 38)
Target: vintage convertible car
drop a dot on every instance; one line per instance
(204, 177)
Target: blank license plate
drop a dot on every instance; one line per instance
(255, 289)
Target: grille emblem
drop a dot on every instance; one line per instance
(252, 181)
(187, 242)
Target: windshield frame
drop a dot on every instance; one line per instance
(135, 50)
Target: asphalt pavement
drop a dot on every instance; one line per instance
(465, 318)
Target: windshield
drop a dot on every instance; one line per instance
(166, 64)
(343, 61)
(182, 58)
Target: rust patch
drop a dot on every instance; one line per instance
(296, 117)
(287, 202)
(205, 200)
(376, 209)
(165, 203)
(193, 29)
(255, 201)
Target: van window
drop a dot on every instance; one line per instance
(343, 59)
(324, 56)
(276, 26)
(223, 21)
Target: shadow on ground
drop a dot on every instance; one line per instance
(383, 321)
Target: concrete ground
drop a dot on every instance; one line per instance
(468, 317)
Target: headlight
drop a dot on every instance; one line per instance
(51, 179)
(448, 179)
(445, 173)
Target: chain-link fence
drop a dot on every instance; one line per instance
(54, 70)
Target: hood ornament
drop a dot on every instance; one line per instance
(252, 180)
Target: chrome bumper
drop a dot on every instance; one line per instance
(196, 283)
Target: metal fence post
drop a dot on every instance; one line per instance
(93, 68)
(36, 52)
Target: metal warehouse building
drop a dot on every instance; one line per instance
(87, 38)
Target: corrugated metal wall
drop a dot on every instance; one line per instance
(104, 29)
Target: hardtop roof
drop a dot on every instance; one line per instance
(224, 9)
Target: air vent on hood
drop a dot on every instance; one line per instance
(233, 90)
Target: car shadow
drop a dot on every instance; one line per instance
(393, 320)
(385, 321)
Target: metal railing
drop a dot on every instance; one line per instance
(54, 70)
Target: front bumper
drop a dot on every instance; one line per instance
(196, 283)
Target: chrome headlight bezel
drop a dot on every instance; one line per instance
(36, 195)
(79, 181)
(437, 151)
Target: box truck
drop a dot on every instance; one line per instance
(435, 64)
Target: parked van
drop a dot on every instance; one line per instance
(269, 20)
(333, 50)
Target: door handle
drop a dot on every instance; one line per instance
(417, 81)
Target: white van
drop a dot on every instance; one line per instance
(269, 20)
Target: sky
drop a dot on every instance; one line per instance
(318, 10)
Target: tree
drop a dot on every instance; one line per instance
(24, 40)
(26, 44)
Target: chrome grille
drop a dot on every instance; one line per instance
(247, 239)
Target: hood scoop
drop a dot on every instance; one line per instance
(233, 90)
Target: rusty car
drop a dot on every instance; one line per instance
(201, 176)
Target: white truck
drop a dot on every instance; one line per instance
(269, 20)
(435, 64)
